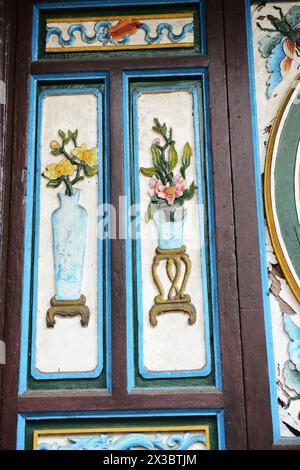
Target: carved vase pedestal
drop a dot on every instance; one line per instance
(177, 300)
(68, 308)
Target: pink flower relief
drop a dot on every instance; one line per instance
(168, 193)
(154, 183)
(180, 185)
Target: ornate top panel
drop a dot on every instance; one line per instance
(122, 33)
(86, 30)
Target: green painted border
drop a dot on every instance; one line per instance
(70, 384)
(91, 423)
(106, 11)
(285, 168)
(140, 382)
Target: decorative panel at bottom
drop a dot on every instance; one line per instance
(193, 430)
(162, 438)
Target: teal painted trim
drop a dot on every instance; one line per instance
(218, 413)
(107, 244)
(261, 229)
(100, 244)
(21, 428)
(128, 237)
(104, 3)
(36, 374)
(29, 204)
(221, 430)
(202, 16)
(206, 370)
(36, 416)
(193, 73)
(35, 32)
(211, 231)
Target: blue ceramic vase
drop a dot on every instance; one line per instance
(170, 223)
(69, 227)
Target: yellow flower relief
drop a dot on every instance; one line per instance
(55, 145)
(86, 155)
(56, 170)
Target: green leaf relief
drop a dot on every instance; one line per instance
(187, 154)
(149, 172)
(61, 134)
(149, 213)
(90, 170)
(172, 157)
(190, 192)
(56, 152)
(182, 172)
(54, 183)
(155, 155)
(73, 135)
(66, 141)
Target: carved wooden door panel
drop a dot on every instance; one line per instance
(274, 91)
(127, 323)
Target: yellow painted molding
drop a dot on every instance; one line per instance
(119, 17)
(119, 48)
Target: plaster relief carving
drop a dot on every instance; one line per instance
(171, 258)
(276, 34)
(168, 193)
(120, 33)
(143, 438)
(69, 224)
(281, 46)
(68, 252)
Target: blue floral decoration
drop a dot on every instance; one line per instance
(291, 371)
(128, 442)
(102, 34)
(281, 45)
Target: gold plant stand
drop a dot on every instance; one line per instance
(177, 300)
(68, 308)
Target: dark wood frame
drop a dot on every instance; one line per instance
(7, 62)
(246, 231)
(239, 280)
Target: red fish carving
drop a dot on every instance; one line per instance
(125, 27)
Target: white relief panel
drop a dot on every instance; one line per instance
(271, 89)
(174, 344)
(67, 347)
